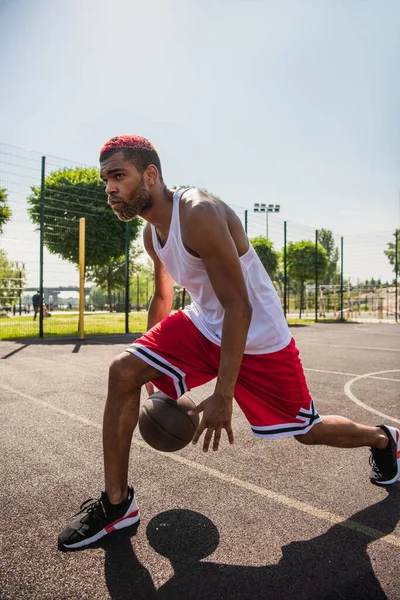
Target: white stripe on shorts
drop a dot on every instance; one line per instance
(161, 364)
(308, 417)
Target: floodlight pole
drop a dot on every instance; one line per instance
(266, 208)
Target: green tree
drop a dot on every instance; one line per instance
(69, 195)
(327, 241)
(111, 276)
(5, 211)
(279, 280)
(391, 251)
(12, 280)
(301, 257)
(142, 286)
(266, 253)
(108, 278)
(97, 297)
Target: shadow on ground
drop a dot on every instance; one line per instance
(330, 566)
(102, 340)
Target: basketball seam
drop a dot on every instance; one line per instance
(164, 430)
(174, 403)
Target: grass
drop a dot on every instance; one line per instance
(67, 324)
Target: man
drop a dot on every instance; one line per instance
(36, 304)
(234, 330)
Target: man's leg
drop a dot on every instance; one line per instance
(342, 433)
(126, 376)
(383, 440)
(273, 394)
(116, 508)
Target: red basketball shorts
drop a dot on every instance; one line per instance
(271, 389)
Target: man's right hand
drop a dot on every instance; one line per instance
(217, 415)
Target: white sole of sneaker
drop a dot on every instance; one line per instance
(130, 519)
(395, 433)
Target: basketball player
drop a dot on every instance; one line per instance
(234, 330)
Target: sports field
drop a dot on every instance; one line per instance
(259, 520)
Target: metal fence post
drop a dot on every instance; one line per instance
(341, 279)
(245, 220)
(42, 194)
(396, 274)
(284, 268)
(127, 304)
(316, 276)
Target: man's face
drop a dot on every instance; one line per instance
(125, 187)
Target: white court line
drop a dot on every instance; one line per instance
(43, 369)
(353, 374)
(324, 515)
(368, 330)
(331, 372)
(353, 398)
(308, 343)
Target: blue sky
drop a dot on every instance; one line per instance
(289, 102)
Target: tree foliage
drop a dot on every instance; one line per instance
(266, 253)
(108, 277)
(12, 280)
(327, 241)
(301, 258)
(112, 276)
(5, 211)
(97, 297)
(391, 251)
(69, 195)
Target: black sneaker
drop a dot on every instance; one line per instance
(386, 463)
(99, 518)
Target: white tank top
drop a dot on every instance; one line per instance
(268, 330)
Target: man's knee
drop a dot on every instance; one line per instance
(126, 368)
(316, 435)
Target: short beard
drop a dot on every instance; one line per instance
(138, 202)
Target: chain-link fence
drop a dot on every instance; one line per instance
(319, 275)
(358, 279)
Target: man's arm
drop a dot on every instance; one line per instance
(207, 233)
(162, 299)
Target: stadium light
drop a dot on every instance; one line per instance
(266, 208)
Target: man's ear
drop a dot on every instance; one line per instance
(151, 175)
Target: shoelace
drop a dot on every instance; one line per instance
(377, 461)
(90, 505)
(373, 464)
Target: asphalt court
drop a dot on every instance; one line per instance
(258, 520)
